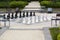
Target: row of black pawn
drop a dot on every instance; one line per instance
(16, 15)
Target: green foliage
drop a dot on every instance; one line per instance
(54, 32)
(12, 0)
(50, 4)
(13, 4)
(19, 4)
(58, 36)
(22, 0)
(27, 0)
(4, 4)
(46, 3)
(44, 0)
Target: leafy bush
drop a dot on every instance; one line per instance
(19, 4)
(54, 32)
(23, 0)
(46, 3)
(50, 4)
(4, 4)
(12, 0)
(58, 36)
(13, 4)
(43, 0)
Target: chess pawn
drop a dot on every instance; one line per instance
(16, 16)
(26, 14)
(12, 16)
(23, 14)
(34, 14)
(30, 13)
(4, 16)
(8, 17)
(20, 14)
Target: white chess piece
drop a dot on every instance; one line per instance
(33, 19)
(29, 20)
(41, 18)
(37, 20)
(24, 20)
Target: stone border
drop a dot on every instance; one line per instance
(47, 33)
(3, 30)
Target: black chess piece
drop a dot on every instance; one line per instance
(8, 13)
(20, 12)
(17, 10)
(8, 17)
(20, 15)
(16, 15)
(23, 14)
(33, 13)
(30, 13)
(26, 14)
(4, 16)
(12, 16)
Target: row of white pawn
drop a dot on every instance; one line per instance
(32, 20)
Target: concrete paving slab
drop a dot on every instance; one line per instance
(22, 35)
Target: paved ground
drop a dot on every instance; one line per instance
(33, 31)
(22, 35)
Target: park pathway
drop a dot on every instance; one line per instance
(33, 6)
(19, 31)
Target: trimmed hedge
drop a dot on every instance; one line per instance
(58, 36)
(12, 0)
(19, 4)
(46, 3)
(43, 0)
(13, 4)
(4, 4)
(50, 4)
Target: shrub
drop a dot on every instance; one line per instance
(19, 4)
(54, 32)
(58, 4)
(46, 0)
(23, 0)
(50, 4)
(46, 3)
(12, 0)
(58, 36)
(4, 4)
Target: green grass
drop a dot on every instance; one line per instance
(54, 32)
